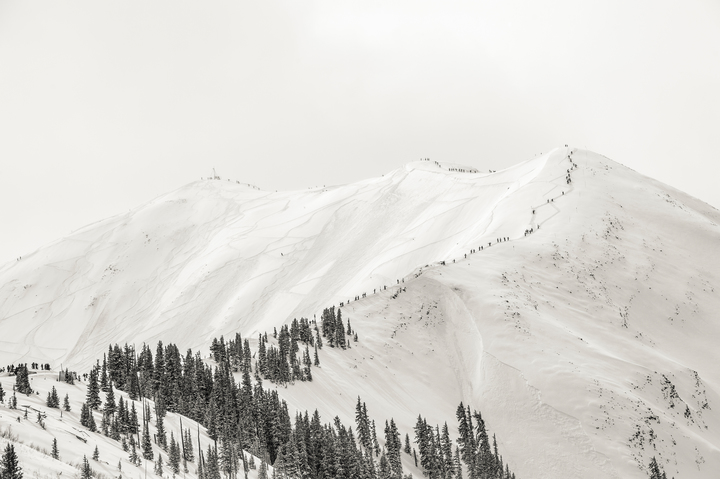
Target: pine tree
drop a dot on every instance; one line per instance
(87, 419)
(174, 455)
(316, 360)
(188, 446)
(654, 469)
(262, 470)
(2, 393)
(133, 456)
(212, 468)
(66, 403)
(466, 440)
(486, 460)
(159, 465)
(93, 390)
(147, 451)
(446, 449)
(55, 453)
(22, 380)
(9, 466)
(109, 408)
(160, 425)
(375, 443)
(52, 399)
(407, 444)
(340, 331)
(393, 445)
(134, 424)
(96, 454)
(103, 375)
(457, 464)
(363, 428)
(86, 471)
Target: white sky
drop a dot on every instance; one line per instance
(105, 105)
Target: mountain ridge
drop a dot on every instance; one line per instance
(587, 344)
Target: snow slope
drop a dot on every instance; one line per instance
(588, 345)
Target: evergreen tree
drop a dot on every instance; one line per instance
(109, 408)
(133, 456)
(262, 470)
(485, 459)
(363, 427)
(96, 454)
(55, 453)
(22, 380)
(655, 469)
(103, 375)
(212, 468)
(66, 403)
(87, 419)
(147, 451)
(52, 399)
(160, 425)
(86, 471)
(134, 424)
(340, 331)
(188, 446)
(458, 464)
(466, 440)
(446, 448)
(174, 455)
(159, 465)
(93, 390)
(2, 394)
(407, 444)
(393, 446)
(375, 443)
(9, 466)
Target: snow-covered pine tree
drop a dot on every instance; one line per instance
(92, 398)
(22, 380)
(340, 331)
(103, 375)
(159, 465)
(9, 465)
(109, 408)
(147, 451)
(161, 436)
(262, 470)
(86, 471)
(55, 453)
(188, 446)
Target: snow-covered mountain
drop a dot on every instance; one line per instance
(586, 337)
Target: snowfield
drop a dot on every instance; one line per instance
(589, 345)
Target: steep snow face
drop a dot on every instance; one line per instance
(588, 344)
(215, 257)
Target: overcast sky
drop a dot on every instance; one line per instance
(105, 105)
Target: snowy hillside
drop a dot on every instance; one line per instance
(588, 344)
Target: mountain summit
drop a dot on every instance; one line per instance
(573, 300)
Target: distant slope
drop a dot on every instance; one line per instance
(589, 345)
(215, 257)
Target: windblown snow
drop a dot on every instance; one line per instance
(589, 344)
